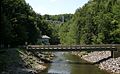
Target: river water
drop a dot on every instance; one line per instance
(66, 63)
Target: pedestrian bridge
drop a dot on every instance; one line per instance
(105, 47)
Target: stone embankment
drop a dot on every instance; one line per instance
(36, 60)
(111, 65)
(20, 61)
(96, 56)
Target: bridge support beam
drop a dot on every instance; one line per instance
(112, 54)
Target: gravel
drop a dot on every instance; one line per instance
(96, 56)
(112, 65)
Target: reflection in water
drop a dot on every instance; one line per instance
(66, 63)
(60, 66)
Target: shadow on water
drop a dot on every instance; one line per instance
(73, 62)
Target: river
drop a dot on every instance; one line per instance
(66, 63)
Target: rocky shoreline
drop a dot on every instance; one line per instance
(20, 61)
(37, 60)
(96, 56)
(111, 65)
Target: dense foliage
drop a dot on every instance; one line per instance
(20, 24)
(97, 22)
(60, 17)
(54, 27)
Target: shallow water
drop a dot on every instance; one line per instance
(66, 63)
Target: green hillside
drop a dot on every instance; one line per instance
(97, 22)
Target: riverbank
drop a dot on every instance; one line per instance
(96, 56)
(111, 65)
(20, 61)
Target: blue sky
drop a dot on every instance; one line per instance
(53, 7)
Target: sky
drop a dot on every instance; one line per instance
(54, 7)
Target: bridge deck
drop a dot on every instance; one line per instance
(71, 47)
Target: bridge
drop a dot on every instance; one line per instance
(52, 48)
(105, 47)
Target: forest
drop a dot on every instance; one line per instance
(97, 22)
(20, 24)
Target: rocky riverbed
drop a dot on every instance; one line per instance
(111, 65)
